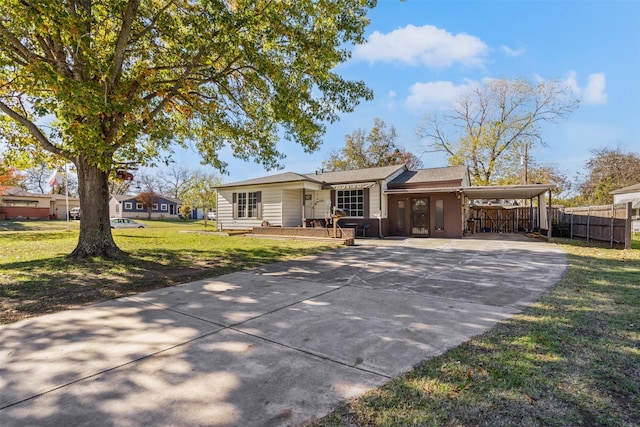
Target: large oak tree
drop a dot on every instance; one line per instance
(102, 82)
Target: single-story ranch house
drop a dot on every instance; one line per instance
(381, 201)
(16, 203)
(127, 206)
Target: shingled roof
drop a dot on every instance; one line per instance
(451, 173)
(272, 179)
(356, 175)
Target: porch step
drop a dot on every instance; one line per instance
(337, 241)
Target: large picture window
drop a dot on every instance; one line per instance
(351, 201)
(247, 205)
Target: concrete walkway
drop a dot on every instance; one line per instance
(279, 345)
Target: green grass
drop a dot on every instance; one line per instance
(37, 277)
(573, 358)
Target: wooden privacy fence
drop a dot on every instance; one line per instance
(500, 219)
(608, 223)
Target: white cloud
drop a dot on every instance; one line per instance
(513, 52)
(594, 93)
(426, 45)
(436, 95)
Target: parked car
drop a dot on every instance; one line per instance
(125, 223)
(74, 213)
(211, 215)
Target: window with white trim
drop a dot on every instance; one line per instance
(351, 201)
(163, 207)
(247, 205)
(154, 206)
(128, 205)
(139, 206)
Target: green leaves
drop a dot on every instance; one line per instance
(106, 76)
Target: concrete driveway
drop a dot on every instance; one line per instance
(279, 345)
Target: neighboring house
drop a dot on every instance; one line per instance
(16, 203)
(127, 206)
(626, 195)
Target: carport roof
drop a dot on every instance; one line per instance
(506, 191)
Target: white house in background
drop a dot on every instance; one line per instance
(127, 206)
(630, 194)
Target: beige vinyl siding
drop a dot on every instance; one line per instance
(291, 208)
(271, 206)
(225, 219)
(323, 204)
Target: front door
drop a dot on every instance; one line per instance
(420, 217)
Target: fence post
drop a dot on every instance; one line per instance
(613, 215)
(588, 221)
(571, 227)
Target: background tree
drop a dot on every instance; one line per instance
(9, 177)
(174, 180)
(607, 170)
(36, 179)
(185, 211)
(201, 192)
(541, 174)
(148, 198)
(379, 147)
(126, 79)
(490, 128)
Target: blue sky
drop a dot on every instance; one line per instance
(422, 55)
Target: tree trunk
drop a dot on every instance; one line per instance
(95, 231)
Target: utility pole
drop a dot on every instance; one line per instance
(525, 161)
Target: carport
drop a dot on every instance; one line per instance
(504, 217)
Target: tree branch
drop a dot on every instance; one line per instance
(122, 41)
(33, 129)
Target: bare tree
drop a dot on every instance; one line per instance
(175, 180)
(490, 128)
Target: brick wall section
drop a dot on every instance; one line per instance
(19, 212)
(347, 233)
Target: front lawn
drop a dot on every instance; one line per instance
(37, 277)
(571, 359)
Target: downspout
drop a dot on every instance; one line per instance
(304, 212)
(380, 236)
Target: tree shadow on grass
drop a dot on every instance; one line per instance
(32, 288)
